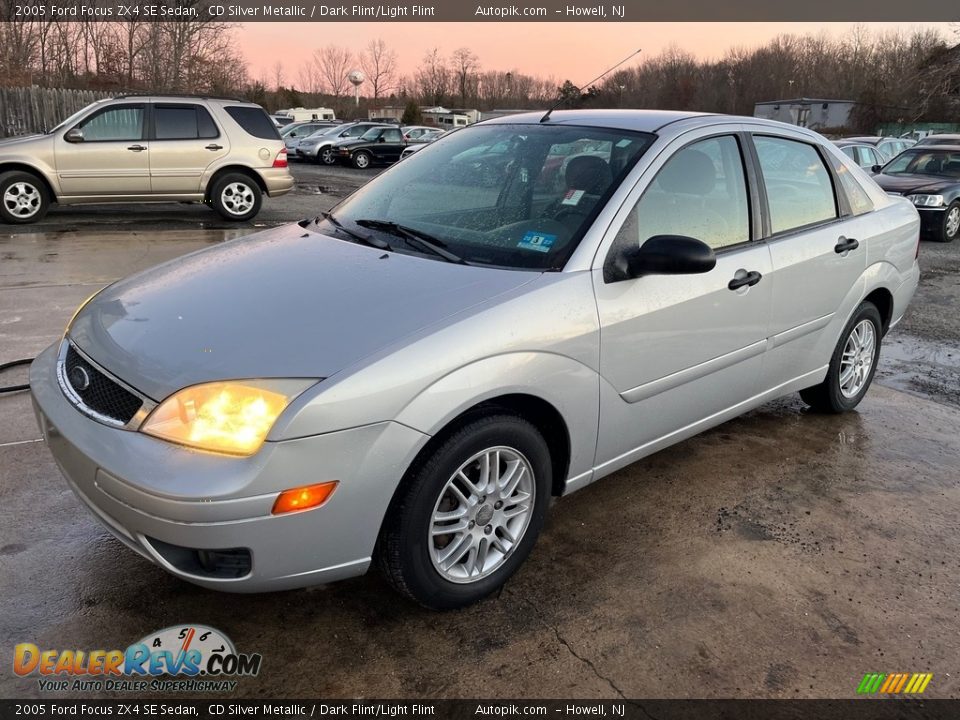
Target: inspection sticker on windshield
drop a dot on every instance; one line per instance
(541, 242)
(572, 197)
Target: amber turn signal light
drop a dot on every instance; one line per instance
(303, 498)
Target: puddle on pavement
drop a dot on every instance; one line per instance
(921, 367)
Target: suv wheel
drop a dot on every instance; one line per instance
(23, 198)
(468, 516)
(951, 223)
(361, 160)
(236, 197)
(852, 365)
(326, 156)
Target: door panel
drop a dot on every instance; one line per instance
(113, 158)
(812, 272)
(676, 349)
(186, 141)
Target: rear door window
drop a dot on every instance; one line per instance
(254, 121)
(799, 187)
(183, 122)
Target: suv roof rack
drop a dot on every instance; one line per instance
(178, 95)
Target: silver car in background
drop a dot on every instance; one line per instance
(499, 319)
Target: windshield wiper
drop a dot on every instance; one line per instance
(359, 237)
(415, 237)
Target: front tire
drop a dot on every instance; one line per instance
(852, 365)
(362, 160)
(236, 197)
(468, 515)
(950, 225)
(23, 198)
(326, 156)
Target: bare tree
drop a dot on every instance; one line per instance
(379, 64)
(333, 67)
(278, 75)
(465, 66)
(433, 78)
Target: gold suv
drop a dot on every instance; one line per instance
(226, 153)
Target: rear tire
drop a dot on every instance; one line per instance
(852, 365)
(236, 197)
(23, 198)
(494, 518)
(950, 225)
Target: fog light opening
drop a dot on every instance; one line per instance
(304, 498)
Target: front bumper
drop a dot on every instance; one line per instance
(931, 220)
(173, 505)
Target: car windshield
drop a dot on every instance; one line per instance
(943, 163)
(504, 195)
(328, 131)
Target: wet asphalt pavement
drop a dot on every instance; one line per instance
(782, 554)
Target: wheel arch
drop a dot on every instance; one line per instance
(543, 415)
(227, 169)
(882, 298)
(36, 172)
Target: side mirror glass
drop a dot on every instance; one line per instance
(74, 135)
(663, 255)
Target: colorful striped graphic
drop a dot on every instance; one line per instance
(894, 683)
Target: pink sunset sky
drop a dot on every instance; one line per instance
(564, 50)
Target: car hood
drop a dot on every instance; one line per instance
(24, 140)
(911, 184)
(287, 302)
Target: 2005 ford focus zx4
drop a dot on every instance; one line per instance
(523, 307)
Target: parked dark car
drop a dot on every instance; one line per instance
(928, 176)
(888, 147)
(377, 146)
(864, 155)
(944, 139)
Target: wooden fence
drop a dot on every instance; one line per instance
(29, 110)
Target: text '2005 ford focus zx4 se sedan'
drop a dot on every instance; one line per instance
(515, 311)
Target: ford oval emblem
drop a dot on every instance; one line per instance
(79, 378)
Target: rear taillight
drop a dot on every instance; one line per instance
(281, 161)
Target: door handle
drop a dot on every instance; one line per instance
(214, 146)
(750, 279)
(137, 148)
(845, 244)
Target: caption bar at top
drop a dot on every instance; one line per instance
(472, 11)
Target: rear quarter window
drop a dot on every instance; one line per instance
(254, 121)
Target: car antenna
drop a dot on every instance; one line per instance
(560, 99)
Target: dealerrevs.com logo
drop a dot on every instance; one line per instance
(182, 658)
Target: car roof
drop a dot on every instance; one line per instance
(639, 120)
(942, 136)
(874, 139)
(935, 148)
(851, 142)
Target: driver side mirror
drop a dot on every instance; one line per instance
(876, 168)
(74, 135)
(662, 255)
(381, 139)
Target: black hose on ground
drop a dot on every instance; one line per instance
(13, 364)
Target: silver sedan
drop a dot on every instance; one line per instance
(517, 310)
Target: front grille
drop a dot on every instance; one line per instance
(97, 391)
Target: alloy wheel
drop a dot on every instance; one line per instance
(22, 200)
(481, 515)
(953, 221)
(237, 198)
(857, 359)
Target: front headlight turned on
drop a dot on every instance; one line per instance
(231, 417)
(926, 200)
